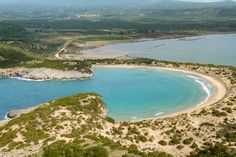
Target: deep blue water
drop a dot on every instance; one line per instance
(214, 49)
(128, 93)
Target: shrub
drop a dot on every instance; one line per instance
(194, 145)
(227, 109)
(230, 137)
(180, 147)
(162, 142)
(142, 138)
(60, 148)
(218, 113)
(188, 141)
(96, 152)
(174, 140)
(206, 124)
(133, 149)
(157, 154)
(111, 120)
(117, 131)
(218, 150)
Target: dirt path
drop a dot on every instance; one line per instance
(66, 44)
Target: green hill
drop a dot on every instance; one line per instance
(11, 56)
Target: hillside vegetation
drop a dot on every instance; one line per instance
(12, 56)
(10, 31)
(74, 126)
(69, 126)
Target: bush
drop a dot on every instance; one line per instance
(230, 137)
(180, 147)
(133, 149)
(111, 120)
(194, 145)
(96, 152)
(117, 131)
(227, 109)
(218, 150)
(142, 138)
(175, 140)
(188, 141)
(60, 148)
(158, 154)
(162, 142)
(206, 124)
(218, 113)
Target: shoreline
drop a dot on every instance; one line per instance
(220, 90)
(21, 111)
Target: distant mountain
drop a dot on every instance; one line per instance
(158, 4)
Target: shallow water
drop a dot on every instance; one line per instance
(130, 94)
(214, 49)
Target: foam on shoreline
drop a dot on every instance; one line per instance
(25, 79)
(158, 114)
(6, 118)
(41, 80)
(204, 87)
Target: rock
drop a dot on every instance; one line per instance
(44, 74)
(13, 114)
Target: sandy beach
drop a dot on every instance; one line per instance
(219, 92)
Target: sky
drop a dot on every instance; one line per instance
(204, 0)
(94, 2)
(150, 0)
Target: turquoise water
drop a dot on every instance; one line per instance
(130, 94)
(214, 49)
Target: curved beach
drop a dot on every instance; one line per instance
(190, 121)
(220, 90)
(218, 94)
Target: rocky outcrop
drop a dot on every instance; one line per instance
(44, 74)
(13, 114)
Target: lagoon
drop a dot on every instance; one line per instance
(130, 93)
(207, 49)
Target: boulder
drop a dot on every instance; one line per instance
(13, 114)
